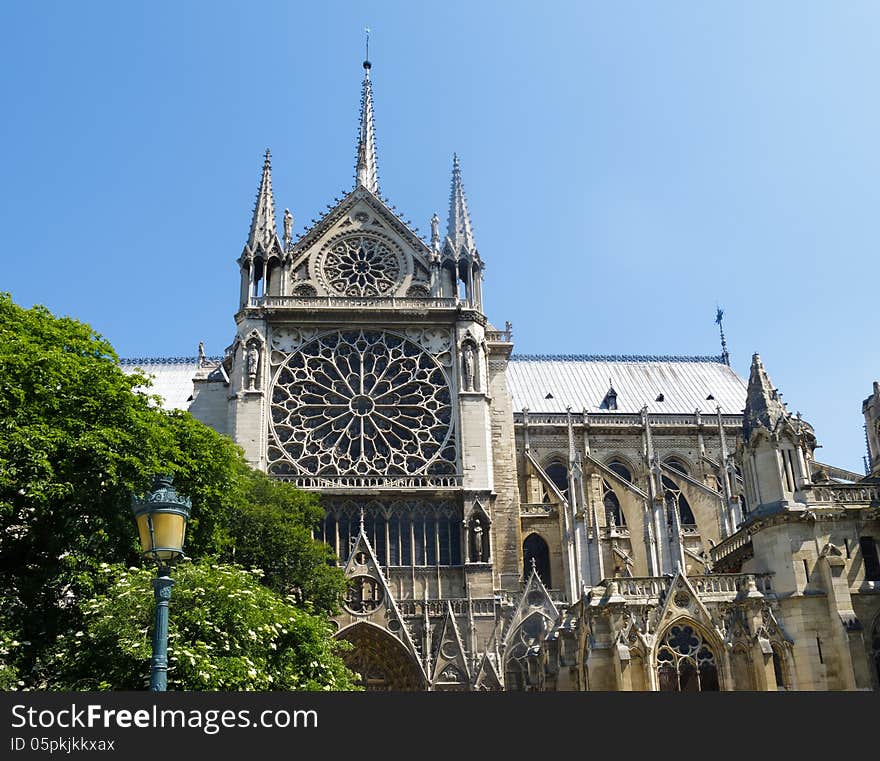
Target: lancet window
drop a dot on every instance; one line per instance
(558, 474)
(675, 500)
(406, 533)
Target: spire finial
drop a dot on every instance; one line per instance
(764, 406)
(459, 230)
(263, 232)
(367, 56)
(366, 166)
(362, 519)
(719, 316)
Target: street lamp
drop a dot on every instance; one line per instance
(161, 518)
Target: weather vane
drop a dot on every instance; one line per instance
(367, 32)
(719, 316)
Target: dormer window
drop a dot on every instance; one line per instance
(610, 400)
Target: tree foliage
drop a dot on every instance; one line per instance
(77, 437)
(227, 631)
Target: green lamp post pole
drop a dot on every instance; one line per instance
(161, 518)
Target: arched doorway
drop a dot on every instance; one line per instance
(381, 660)
(535, 548)
(686, 662)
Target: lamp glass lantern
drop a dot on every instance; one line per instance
(161, 517)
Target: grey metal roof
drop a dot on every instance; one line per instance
(581, 382)
(172, 377)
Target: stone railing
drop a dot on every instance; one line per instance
(730, 545)
(481, 606)
(689, 529)
(505, 336)
(511, 599)
(374, 482)
(354, 302)
(712, 584)
(620, 419)
(847, 494)
(536, 510)
(616, 530)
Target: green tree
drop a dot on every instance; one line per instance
(77, 437)
(271, 530)
(227, 631)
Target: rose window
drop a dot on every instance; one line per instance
(361, 266)
(360, 402)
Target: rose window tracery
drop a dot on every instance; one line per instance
(361, 265)
(360, 402)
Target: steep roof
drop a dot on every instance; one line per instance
(582, 382)
(172, 377)
(578, 382)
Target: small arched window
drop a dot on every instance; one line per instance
(675, 500)
(779, 669)
(613, 513)
(676, 464)
(535, 548)
(618, 467)
(558, 474)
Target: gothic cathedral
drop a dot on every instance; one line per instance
(516, 522)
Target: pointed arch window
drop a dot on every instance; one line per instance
(613, 513)
(779, 668)
(676, 464)
(535, 548)
(686, 662)
(675, 500)
(558, 474)
(408, 533)
(621, 469)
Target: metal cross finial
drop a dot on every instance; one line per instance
(367, 58)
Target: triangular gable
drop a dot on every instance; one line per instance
(487, 677)
(535, 599)
(339, 213)
(450, 661)
(682, 601)
(379, 609)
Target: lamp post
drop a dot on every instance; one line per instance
(161, 517)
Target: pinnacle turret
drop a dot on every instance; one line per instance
(367, 168)
(263, 233)
(459, 231)
(763, 405)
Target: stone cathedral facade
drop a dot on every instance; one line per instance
(532, 522)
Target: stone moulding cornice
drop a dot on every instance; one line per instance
(615, 358)
(138, 361)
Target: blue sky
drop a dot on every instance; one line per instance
(627, 165)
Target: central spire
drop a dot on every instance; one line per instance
(367, 175)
